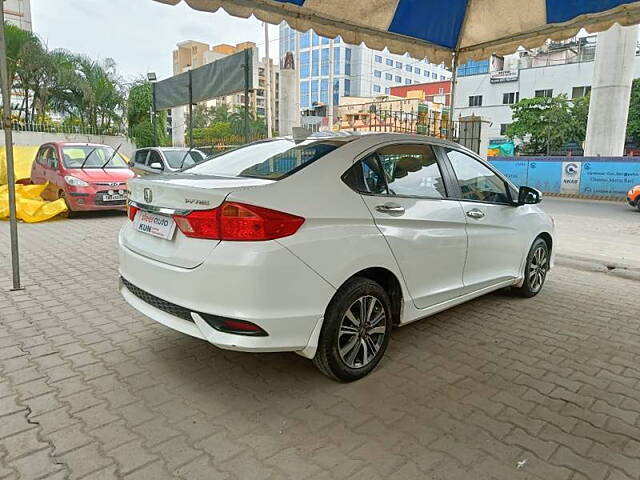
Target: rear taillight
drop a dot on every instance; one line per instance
(238, 222)
(131, 211)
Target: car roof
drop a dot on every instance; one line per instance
(77, 144)
(380, 137)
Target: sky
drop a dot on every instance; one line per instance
(138, 34)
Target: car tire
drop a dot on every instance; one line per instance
(535, 270)
(346, 345)
(69, 213)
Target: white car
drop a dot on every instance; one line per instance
(146, 161)
(321, 246)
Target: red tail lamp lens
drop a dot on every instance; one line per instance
(199, 224)
(238, 222)
(131, 211)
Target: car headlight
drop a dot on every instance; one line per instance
(75, 182)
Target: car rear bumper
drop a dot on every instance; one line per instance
(261, 282)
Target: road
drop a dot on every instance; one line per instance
(500, 388)
(605, 233)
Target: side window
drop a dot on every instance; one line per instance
(366, 177)
(154, 157)
(141, 157)
(412, 170)
(52, 157)
(41, 158)
(476, 181)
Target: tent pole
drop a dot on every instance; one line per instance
(8, 147)
(452, 96)
(190, 111)
(246, 95)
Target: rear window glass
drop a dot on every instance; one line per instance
(271, 160)
(183, 158)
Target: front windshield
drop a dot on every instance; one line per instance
(74, 156)
(270, 160)
(176, 157)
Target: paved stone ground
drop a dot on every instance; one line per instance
(503, 388)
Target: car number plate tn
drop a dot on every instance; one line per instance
(157, 225)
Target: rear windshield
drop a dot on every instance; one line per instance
(270, 160)
(181, 159)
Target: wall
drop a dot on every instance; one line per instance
(590, 176)
(35, 139)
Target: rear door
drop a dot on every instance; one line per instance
(405, 190)
(140, 162)
(495, 228)
(38, 168)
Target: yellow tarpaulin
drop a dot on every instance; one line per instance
(23, 157)
(30, 207)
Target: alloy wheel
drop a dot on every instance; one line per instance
(538, 268)
(362, 331)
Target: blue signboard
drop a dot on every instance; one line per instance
(608, 178)
(514, 171)
(545, 176)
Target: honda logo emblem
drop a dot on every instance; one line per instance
(148, 195)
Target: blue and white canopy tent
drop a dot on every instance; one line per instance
(437, 29)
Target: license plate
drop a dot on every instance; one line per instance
(114, 198)
(156, 225)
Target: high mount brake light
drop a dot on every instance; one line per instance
(238, 222)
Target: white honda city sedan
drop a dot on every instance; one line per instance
(320, 246)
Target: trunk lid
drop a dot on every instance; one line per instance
(161, 194)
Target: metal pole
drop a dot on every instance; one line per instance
(267, 73)
(8, 147)
(154, 124)
(190, 111)
(452, 97)
(246, 95)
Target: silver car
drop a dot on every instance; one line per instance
(164, 159)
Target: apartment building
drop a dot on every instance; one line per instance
(18, 13)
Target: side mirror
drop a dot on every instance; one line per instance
(156, 166)
(529, 196)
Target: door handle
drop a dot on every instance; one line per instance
(475, 213)
(390, 209)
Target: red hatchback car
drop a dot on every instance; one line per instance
(87, 176)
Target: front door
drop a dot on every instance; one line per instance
(407, 196)
(494, 225)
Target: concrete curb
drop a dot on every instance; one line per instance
(608, 198)
(613, 269)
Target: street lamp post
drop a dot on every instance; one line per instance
(152, 77)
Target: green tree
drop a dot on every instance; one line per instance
(139, 106)
(633, 122)
(544, 125)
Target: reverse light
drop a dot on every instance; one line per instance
(75, 181)
(238, 222)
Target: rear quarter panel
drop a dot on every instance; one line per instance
(339, 237)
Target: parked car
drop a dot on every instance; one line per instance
(633, 197)
(88, 176)
(322, 246)
(164, 160)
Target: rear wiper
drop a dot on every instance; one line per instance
(185, 157)
(111, 157)
(87, 157)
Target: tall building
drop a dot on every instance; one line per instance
(18, 13)
(488, 88)
(191, 54)
(328, 66)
